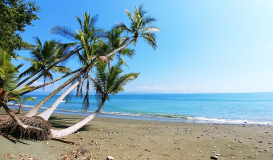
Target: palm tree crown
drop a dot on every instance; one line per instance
(141, 26)
(43, 56)
(110, 81)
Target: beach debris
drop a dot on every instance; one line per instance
(8, 155)
(217, 154)
(213, 157)
(64, 141)
(109, 158)
(100, 129)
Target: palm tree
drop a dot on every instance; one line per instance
(115, 40)
(140, 27)
(87, 40)
(43, 56)
(8, 82)
(20, 101)
(106, 83)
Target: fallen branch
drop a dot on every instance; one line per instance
(64, 141)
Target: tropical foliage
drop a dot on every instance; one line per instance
(43, 57)
(15, 15)
(94, 49)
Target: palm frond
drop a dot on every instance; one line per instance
(29, 71)
(60, 69)
(63, 31)
(122, 81)
(151, 29)
(150, 38)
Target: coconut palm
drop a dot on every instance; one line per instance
(140, 27)
(89, 35)
(8, 82)
(43, 57)
(20, 101)
(106, 83)
(115, 40)
(86, 39)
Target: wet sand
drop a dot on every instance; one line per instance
(135, 139)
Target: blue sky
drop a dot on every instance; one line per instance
(204, 47)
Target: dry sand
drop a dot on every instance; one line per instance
(133, 139)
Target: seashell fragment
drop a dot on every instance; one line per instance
(109, 158)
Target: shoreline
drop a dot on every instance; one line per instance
(141, 139)
(185, 119)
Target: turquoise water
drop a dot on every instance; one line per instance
(255, 108)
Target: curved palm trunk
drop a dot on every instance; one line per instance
(19, 84)
(47, 113)
(77, 126)
(45, 84)
(35, 109)
(60, 60)
(120, 48)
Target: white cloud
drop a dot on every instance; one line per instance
(37, 83)
(48, 88)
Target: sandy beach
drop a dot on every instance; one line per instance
(136, 139)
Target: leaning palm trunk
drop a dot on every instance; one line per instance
(77, 126)
(35, 109)
(23, 81)
(60, 60)
(119, 49)
(47, 113)
(45, 84)
(16, 119)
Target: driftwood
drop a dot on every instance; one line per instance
(64, 141)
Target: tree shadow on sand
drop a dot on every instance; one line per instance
(62, 123)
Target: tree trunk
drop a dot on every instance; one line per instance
(19, 109)
(45, 84)
(35, 109)
(77, 126)
(28, 78)
(120, 48)
(47, 113)
(16, 119)
(60, 60)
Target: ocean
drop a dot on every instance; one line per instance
(227, 108)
